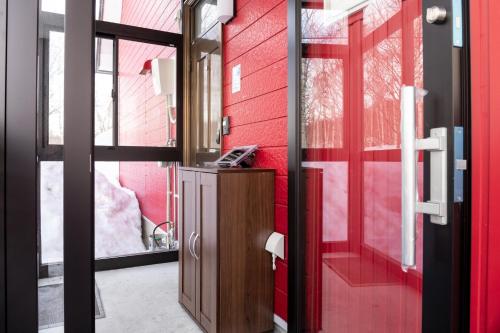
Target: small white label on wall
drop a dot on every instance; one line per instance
(236, 81)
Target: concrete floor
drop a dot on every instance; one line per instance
(140, 300)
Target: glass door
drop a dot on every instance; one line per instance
(206, 84)
(356, 56)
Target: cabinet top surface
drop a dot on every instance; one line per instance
(224, 170)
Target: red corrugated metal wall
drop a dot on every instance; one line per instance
(256, 39)
(485, 268)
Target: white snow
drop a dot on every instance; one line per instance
(117, 213)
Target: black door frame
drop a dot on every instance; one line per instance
(3, 51)
(18, 161)
(18, 184)
(446, 248)
(78, 192)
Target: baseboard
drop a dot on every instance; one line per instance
(280, 323)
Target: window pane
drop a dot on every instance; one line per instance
(146, 95)
(53, 6)
(104, 106)
(50, 201)
(103, 123)
(205, 16)
(131, 200)
(55, 97)
(161, 15)
(51, 211)
(104, 55)
(356, 56)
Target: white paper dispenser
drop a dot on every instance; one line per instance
(276, 246)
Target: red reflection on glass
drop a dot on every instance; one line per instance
(355, 59)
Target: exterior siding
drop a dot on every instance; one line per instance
(257, 40)
(485, 266)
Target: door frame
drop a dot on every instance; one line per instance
(3, 51)
(18, 162)
(445, 298)
(188, 31)
(18, 183)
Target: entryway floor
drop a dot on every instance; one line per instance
(140, 300)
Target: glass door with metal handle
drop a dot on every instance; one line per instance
(371, 166)
(436, 207)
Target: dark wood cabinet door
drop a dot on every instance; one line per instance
(206, 249)
(187, 269)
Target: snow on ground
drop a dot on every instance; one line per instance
(117, 213)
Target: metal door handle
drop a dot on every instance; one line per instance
(189, 245)
(410, 205)
(194, 246)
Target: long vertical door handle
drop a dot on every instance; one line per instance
(189, 245)
(194, 246)
(410, 205)
(409, 177)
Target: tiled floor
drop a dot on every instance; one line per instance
(140, 300)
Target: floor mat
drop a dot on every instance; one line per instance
(51, 305)
(359, 272)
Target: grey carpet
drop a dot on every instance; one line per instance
(51, 305)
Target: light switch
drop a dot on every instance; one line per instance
(225, 125)
(236, 79)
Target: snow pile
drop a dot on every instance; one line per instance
(117, 219)
(117, 215)
(51, 211)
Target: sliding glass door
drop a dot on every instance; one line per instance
(94, 142)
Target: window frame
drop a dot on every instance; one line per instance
(115, 152)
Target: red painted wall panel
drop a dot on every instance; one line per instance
(244, 113)
(485, 266)
(261, 30)
(281, 190)
(245, 18)
(256, 39)
(269, 79)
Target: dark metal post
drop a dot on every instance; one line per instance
(79, 167)
(295, 223)
(20, 166)
(3, 50)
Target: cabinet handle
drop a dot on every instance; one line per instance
(194, 246)
(189, 245)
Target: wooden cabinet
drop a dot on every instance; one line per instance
(225, 274)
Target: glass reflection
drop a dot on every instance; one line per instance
(356, 56)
